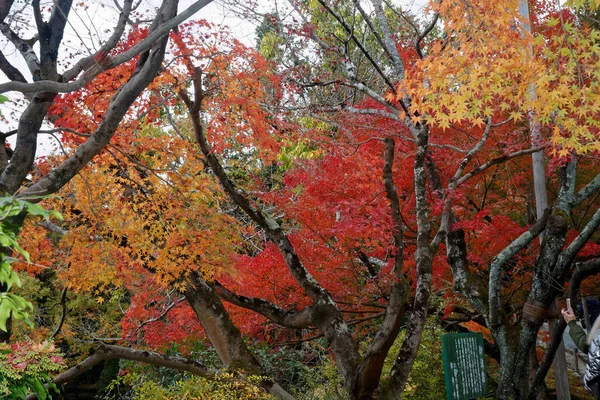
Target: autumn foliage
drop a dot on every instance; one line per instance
(308, 147)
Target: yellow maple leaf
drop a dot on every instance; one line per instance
(391, 97)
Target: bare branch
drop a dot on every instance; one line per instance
(63, 303)
(425, 32)
(144, 74)
(358, 43)
(161, 316)
(31, 59)
(496, 161)
(586, 191)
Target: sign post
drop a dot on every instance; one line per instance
(464, 366)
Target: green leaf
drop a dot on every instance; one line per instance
(5, 309)
(38, 388)
(35, 209)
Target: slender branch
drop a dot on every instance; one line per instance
(351, 322)
(425, 32)
(63, 302)
(162, 315)
(568, 255)
(446, 214)
(348, 30)
(496, 161)
(586, 191)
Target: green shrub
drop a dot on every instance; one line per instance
(26, 368)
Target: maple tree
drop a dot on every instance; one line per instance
(366, 161)
(475, 74)
(49, 77)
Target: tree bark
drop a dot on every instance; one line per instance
(225, 337)
(424, 258)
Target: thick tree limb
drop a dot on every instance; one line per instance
(495, 307)
(369, 371)
(109, 352)
(424, 258)
(385, 39)
(289, 319)
(109, 63)
(5, 6)
(326, 315)
(566, 258)
(223, 334)
(9, 70)
(146, 71)
(270, 226)
(586, 191)
(31, 59)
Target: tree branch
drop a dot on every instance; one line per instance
(109, 63)
(495, 307)
(63, 303)
(425, 32)
(496, 161)
(290, 319)
(377, 351)
(586, 191)
(348, 30)
(568, 255)
(110, 352)
(31, 59)
(120, 103)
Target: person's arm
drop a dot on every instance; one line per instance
(575, 331)
(579, 336)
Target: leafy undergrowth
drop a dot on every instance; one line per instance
(578, 391)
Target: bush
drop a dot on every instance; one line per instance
(26, 368)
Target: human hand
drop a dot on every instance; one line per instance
(568, 315)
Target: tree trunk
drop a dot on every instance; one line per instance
(424, 258)
(223, 334)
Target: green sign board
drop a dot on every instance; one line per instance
(464, 366)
